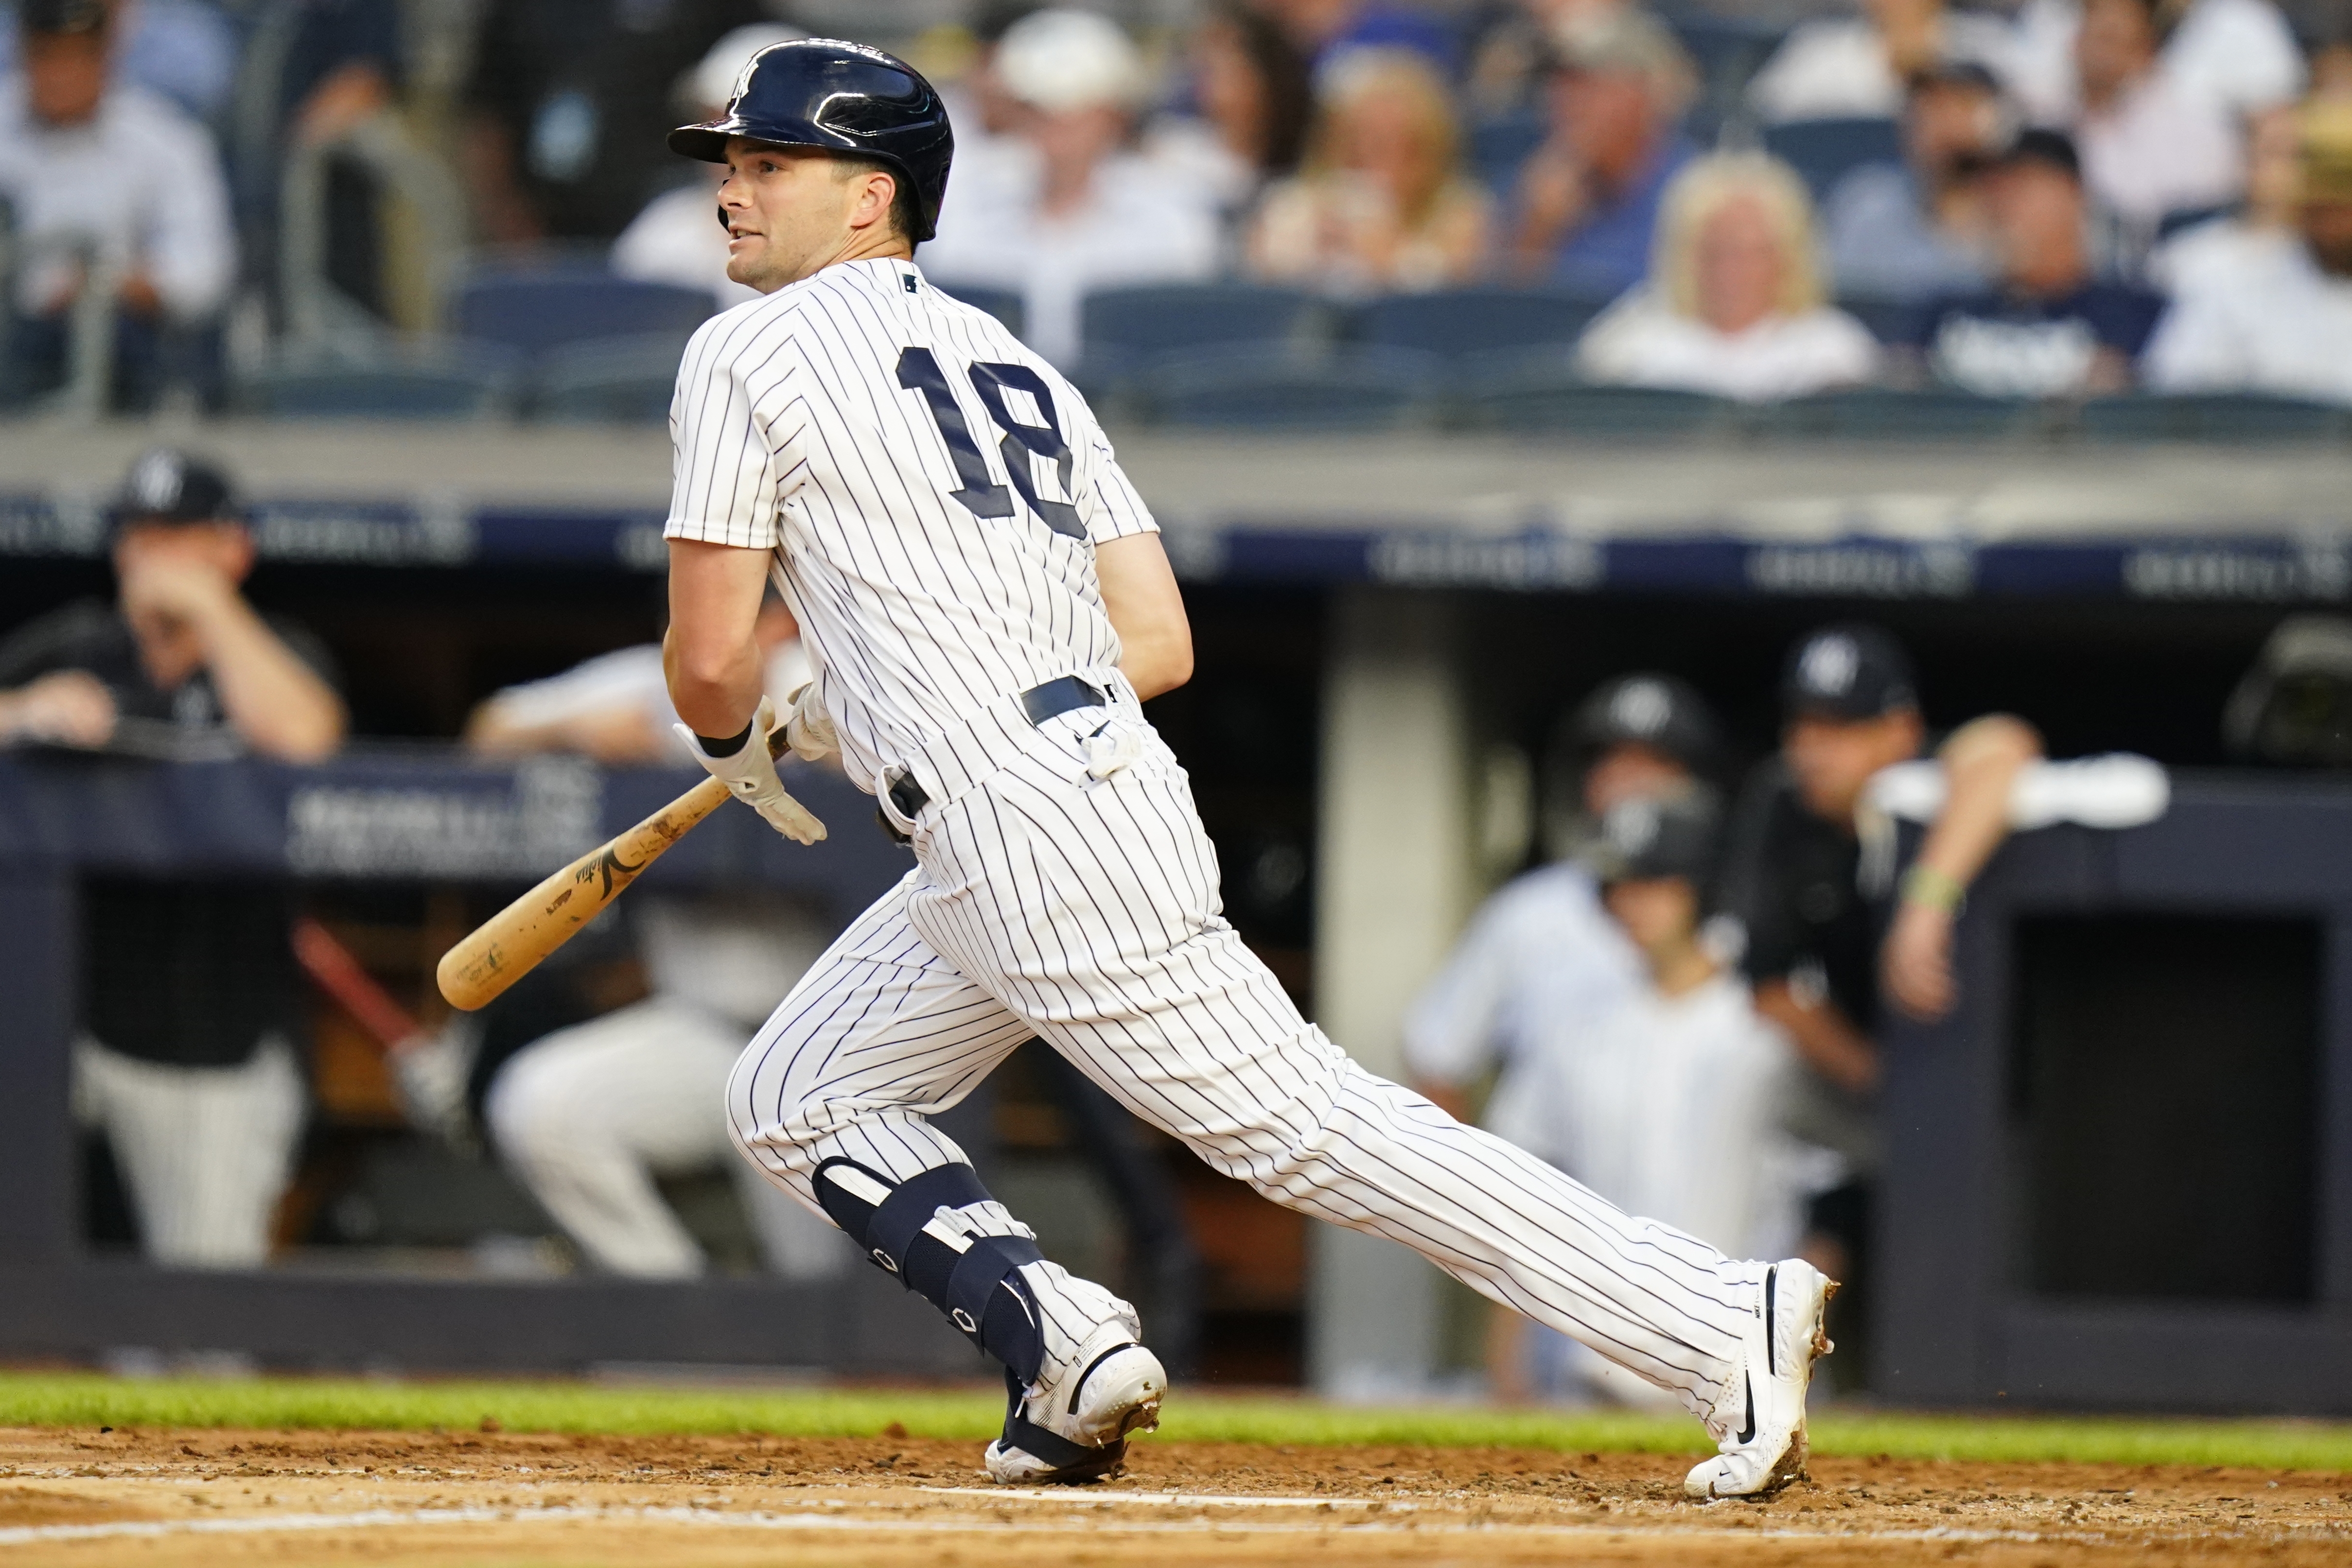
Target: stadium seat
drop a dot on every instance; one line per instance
(1727, 52)
(1887, 320)
(619, 380)
(536, 309)
(2212, 416)
(441, 381)
(1499, 146)
(1132, 326)
(1866, 413)
(1276, 388)
(1824, 150)
(1543, 394)
(1457, 321)
(1004, 304)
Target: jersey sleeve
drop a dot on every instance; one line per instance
(734, 423)
(1107, 503)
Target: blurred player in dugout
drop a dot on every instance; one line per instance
(591, 1116)
(1542, 947)
(185, 1060)
(1826, 949)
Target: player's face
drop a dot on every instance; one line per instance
(788, 213)
(1832, 760)
(1657, 913)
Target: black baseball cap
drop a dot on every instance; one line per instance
(1656, 836)
(1648, 709)
(168, 486)
(61, 19)
(2051, 148)
(1848, 674)
(1950, 70)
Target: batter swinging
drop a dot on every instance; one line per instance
(986, 604)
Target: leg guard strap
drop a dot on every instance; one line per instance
(974, 1278)
(1051, 1447)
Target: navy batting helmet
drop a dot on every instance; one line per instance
(839, 98)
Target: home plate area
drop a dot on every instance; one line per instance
(199, 1497)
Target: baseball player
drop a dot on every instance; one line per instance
(1541, 953)
(986, 604)
(1670, 1102)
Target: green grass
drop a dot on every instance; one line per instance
(79, 1399)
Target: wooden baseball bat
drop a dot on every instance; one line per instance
(511, 942)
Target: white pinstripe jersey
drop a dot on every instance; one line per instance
(932, 491)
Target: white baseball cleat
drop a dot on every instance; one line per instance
(1073, 1426)
(1760, 1428)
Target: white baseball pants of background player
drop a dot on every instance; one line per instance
(1065, 888)
(204, 1151)
(589, 1117)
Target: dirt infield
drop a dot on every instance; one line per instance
(204, 1498)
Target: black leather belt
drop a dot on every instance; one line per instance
(1039, 703)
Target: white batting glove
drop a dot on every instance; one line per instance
(751, 776)
(808, 728)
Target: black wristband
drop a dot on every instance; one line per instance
(727, 747)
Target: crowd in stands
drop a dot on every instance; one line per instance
(2060, 198)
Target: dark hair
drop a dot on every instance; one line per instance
(63, 18)
(2051, 148)
(1287, 77)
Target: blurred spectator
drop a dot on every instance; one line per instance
(1382, 204)
(2264, 232)
(1916, 229)
(1671, 1105)
(1252, 101)
(1855, 68)
(568, 105)
(111, 187)
(2265, 308)
(338, 66)
(2240, 55)
(677, 239)
(2151, 147)
(1818, 945)
(2293, 709)
(1733, 306)
(591, 1116)
(1540, 952)
(183, 50)
(1511, 51)
(2049, 329)
(1324, 29)
(185, 1062)
(1587, 200)
(1082, 211)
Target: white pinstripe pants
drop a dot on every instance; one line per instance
(1087, 912)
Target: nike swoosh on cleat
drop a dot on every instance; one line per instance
(1771, 1350)
(1748, 1435)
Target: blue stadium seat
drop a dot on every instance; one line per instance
(1825, 150)
(612, 380)
(2211, 416)
(536, 310)
(1541, 392)
(1276, 388)
(1457, 321)
(440, 381)
(1134, 325)
(1864, 413)
(1727, 51)
(1888, 319)
(1004, 304)
(1499, 145)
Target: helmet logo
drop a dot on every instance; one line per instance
(1829, 666)
(1641, 708)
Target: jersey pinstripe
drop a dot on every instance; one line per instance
(934, 523)
(857, 423)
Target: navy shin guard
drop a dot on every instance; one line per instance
(972, 1279)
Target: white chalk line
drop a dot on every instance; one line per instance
(382, 1519)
